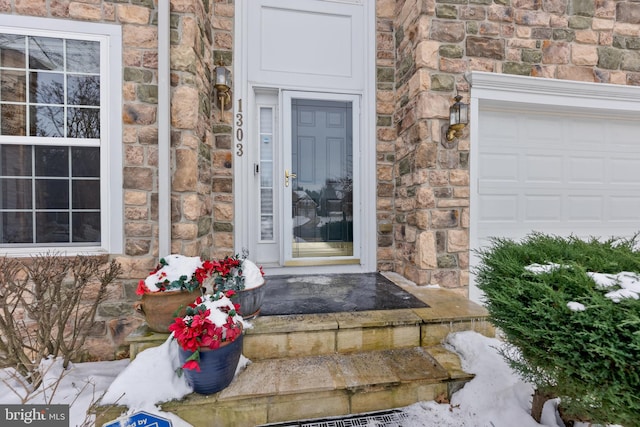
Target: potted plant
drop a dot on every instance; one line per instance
(210, 341)
(246, 279)
(175, 282)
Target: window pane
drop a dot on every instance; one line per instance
(47, 121)
(45, 53)
(266, 201)
(13, 86)
(52, 194)
(15, 160)
(12, 51)
(16, 193)
(266, 227)
(17, 227)
(83, 90)
(266, 174)
(46, 88)
(83, 56)
(85, 162)
(52, 161)
(13, 119)
(83, 123)
(86, 194)
(86, 227)
(52, 227)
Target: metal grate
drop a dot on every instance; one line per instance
(378, 419)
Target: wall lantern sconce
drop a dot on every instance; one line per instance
(223, 87)
(458, 119)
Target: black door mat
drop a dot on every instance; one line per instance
(334, 293)
(393, 418)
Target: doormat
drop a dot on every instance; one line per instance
(334, 293)
(393, 418)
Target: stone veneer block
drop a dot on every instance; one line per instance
(143, 338)
(364, 339)
(311, 343)
(313, 405)
(449, 361)
(264, 346)
(367, 319)
(435, 333)
(207, 411)
(292, 323)
(379, 398)
(256, 380)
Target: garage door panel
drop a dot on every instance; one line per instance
(624, 171)
(499, 208)
(581, 132)
(585, 208)
(586, 170)
(542, 208)
(624, 208)
(500, 167)
(543, 168)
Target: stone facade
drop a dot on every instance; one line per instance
(436, 42)
(423, 49)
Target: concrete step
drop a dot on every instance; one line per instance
(295, 388)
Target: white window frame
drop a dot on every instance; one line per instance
(111, 204)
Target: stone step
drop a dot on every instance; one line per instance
(295, 388)
(348, 332)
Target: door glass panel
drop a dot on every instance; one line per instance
(322, 178)
(266, 174)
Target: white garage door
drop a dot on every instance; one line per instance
(562, 173)
(552, 156)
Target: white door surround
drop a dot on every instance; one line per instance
(560, 157)
(278, 43)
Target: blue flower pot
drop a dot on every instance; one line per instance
(217, 367)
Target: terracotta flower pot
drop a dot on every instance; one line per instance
(161, 308)
(250, 300)
(217, 367)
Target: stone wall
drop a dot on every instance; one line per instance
(193, 136)
(223, 156)
(436, 43)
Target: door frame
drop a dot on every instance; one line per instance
(244, 124)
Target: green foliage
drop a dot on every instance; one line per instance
(590, 358)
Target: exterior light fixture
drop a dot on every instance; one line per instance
(458, 119)
(223, 87)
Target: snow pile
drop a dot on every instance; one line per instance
(175, 267)
(252, 275)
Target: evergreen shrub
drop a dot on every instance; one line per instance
(590, 358)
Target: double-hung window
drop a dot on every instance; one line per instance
(60, 136)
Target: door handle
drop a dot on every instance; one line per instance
(288, 175)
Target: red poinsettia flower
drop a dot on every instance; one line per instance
(191, 364)
(142, 288)
(202, 326)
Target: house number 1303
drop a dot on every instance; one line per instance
(239, 131)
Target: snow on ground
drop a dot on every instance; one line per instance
(494, 398)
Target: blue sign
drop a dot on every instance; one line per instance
(140, 419)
